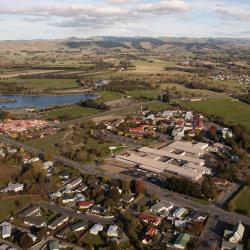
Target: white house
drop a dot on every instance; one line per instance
(47, 164)
(161, 206)
(112, 231)
(5, 229)
(14, 187)
(179, 212)
(96, 229)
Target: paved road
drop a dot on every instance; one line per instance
(73, 214)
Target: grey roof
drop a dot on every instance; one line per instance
(231, 246)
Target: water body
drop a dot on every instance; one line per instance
(29, 101)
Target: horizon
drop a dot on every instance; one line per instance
(53, 19)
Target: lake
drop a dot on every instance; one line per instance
(23, 101)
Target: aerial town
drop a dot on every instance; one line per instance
(138, 139)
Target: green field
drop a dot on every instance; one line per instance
(144, 93)
(107, 96)
(8, 205)
(189, 92)
(48, 142)
(157, 106)
(41, 84)
(232, 110)
(241, 201)
(71, 112)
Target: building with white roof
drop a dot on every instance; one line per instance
(13, 187)
(5, 229)
(112, 231)
(179, 212)
(96, 229)
(74, 183)
(48, 164)
(161, 207)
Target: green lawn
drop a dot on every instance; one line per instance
(94, 240)
(230, 109)
(145, 93)
(8, 205)
(44, 83)
(241, 201)
(47, 142)
(157, 106)
(107, 96)
(71, 112)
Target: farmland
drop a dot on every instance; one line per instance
(231, 110)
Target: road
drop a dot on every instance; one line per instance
(73, 214)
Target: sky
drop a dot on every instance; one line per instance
(54, 19)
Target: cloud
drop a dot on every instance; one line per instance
(95, 14)
(232, 12)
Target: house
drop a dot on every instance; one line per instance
(189, 116)
(32, 236)
(137, 130)
(58, 221)
(35, 221)
(167, 113)
(97, 209)
(85, 204)
(128, 198)
(235, 235)
(152, 231)
(180, 223)
(74, 183)
(198, 217)
(227, 133)
(180, 212)
(181, 241)
(64, 175)
(79, 226)
(34, 159)
(13, 187)
(47, 164)
(5, 229)
(32, 210)
(161, 207)
(55, 195)
(67, 199)
(96, 229)
(81, 188)
(150, 219)
(113, 231)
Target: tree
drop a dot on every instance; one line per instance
(208, 188)
(193, 244)
(125, 185)
(25, 241)
(115, 194)
(139, 186)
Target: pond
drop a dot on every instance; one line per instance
(23, 101)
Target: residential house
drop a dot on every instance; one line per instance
(181, 241)
(235, 235)
(79, 226)
(85, 204)
(150, 219)
(32, 210)
(13, 187)
(113, 231)
(227, 245)
(96, 229)
(35, 221)
(58, 221)
(54, 245)
(47, 164)
(128, 198)
(180, 212)
(5, 229)
(198, 217)
(161, 207)
(74, 183)
(97, 209)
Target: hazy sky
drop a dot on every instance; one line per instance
(33, 19)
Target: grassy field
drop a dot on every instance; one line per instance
(145, 93)
(157, 66)
(157, 106)
(241, 201)
(189, 92)
(71, 112)
(231, 110)
(47, 142)
(8, 172)
(8, 205)
(107, 96)
(41, 84)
